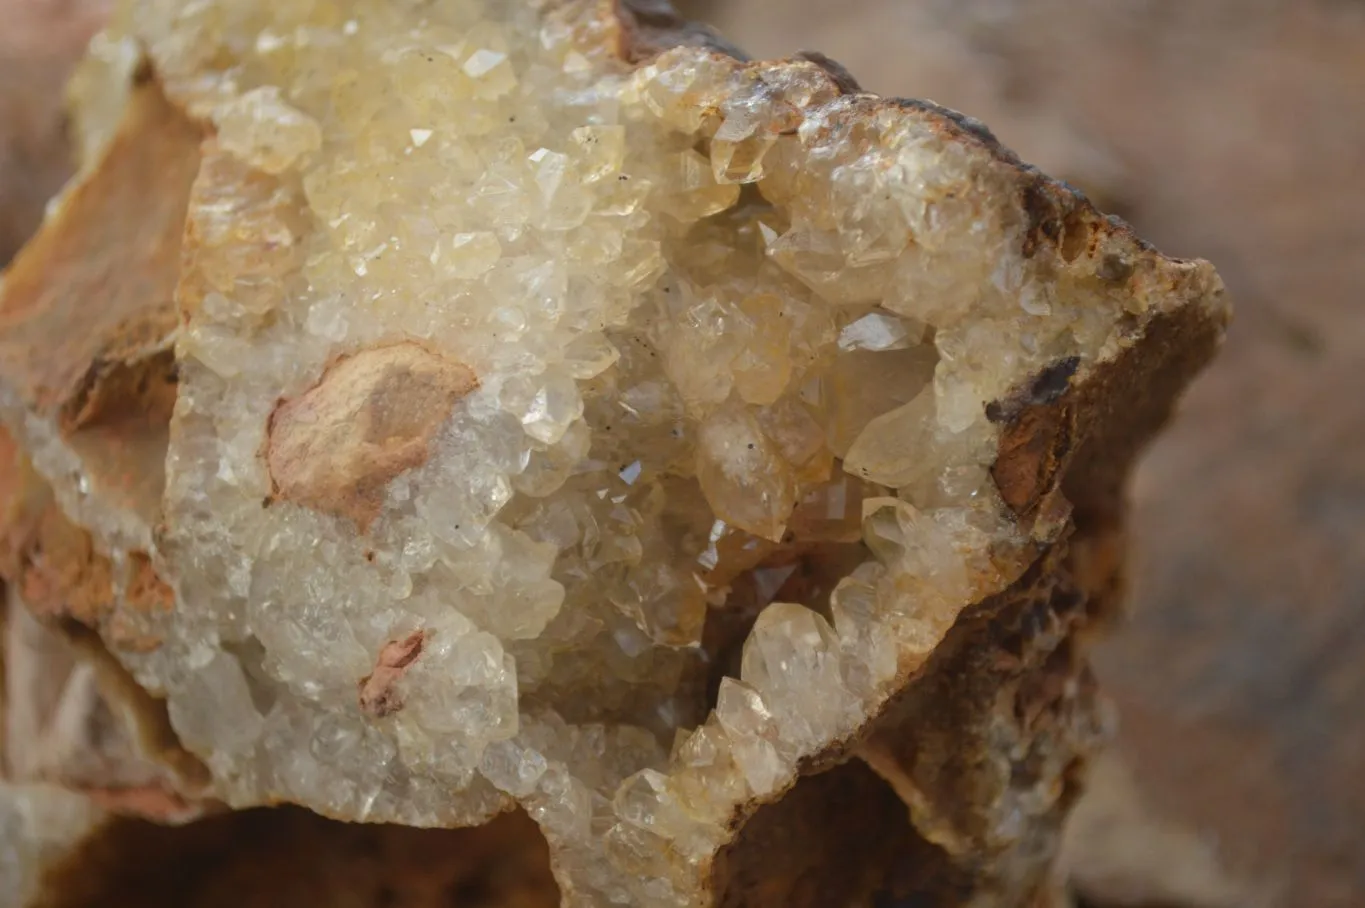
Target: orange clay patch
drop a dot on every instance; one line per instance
(372, 416)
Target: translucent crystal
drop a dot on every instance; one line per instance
(708, 781)
(264, 130)
(880, 331)
(752, 733)
(793, 660)
(743, 474)
(822, 260)
(221, 691)
(466, 255)
(462, 683)
(860, 387)
(688, 190)
(739, 161)
(523, 397)
(667, 604)
(889, 449)
(857, 617)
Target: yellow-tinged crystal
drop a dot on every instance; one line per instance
(534, 413)
(743, 475)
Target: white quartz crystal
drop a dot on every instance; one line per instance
(506, 368)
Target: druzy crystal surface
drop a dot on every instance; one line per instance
(569, 423)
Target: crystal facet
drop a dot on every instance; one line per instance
(511, 414)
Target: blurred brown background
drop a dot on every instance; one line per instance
(38, 41)
(1228, 129)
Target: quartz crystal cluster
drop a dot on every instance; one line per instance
(546, 409)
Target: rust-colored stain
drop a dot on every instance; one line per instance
(371, 417)
(379, 695)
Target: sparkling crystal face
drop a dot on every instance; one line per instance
(602, 439)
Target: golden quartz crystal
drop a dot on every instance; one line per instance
(423, 411)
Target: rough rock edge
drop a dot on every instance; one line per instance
(93, 405)
(1069, 438)
(1064, 442)
(97, 404)
(54, 568)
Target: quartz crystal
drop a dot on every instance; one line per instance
(565, 420)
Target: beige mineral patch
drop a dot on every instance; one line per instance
(710, 458)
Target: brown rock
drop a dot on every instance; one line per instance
(108, 389)
(50, 561)
(72, 714)
(77, 270)
(958, 791)
(286, 856)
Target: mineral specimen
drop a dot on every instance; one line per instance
(546, 409)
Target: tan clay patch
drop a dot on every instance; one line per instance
(372, 417)
(378, 694)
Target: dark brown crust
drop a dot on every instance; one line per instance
(841, 77)
(936, 745)
(119, 390)
(268, 857)
(840, 837)
(1045, 387)
(1034, 451)
(1010, 667)
(650, 27)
